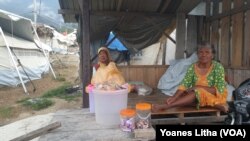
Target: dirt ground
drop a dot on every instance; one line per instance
(65, 66)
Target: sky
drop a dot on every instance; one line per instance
(45, 8)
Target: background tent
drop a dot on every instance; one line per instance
(116, 44)
(21, 58)
(59, 43)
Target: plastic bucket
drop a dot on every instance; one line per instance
(108, 105)
(91, 103)
(89, 89)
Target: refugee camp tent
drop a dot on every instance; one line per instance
(21, 57)
(58, 42)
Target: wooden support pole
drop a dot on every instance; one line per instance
(225, 35)
(215, 37)
(207, 23)
(164, 45)
(246, 49)
(180, 35)
(85, 50)
(191, 40)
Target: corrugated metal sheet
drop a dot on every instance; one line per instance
(147, 6)
(69, 5)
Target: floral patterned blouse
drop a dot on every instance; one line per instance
(215, 77)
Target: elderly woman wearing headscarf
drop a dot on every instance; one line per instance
(104, 58)
(203, 85)
(106, 70)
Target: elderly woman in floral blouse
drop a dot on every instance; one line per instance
(203, 85)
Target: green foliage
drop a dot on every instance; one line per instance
(6, 112)
(22, 100)
(60, 92)
(38, 103)
(70, 97)
(44, 101)
(60, 79)
(56, 92)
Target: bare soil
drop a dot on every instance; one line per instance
(65, 66)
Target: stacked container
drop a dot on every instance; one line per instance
(127, 117)
(143, 115)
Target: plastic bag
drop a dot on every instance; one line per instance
(143, 90)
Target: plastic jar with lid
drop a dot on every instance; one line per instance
(127, 117)
(143, 115)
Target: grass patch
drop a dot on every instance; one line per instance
(56, 92)
(59, 78)
(60, 92)
(37, 103)
(6, 112)
(44, 101)
(70, 97)
(23, 100)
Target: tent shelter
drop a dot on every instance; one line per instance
(137, 24)
(59, 43)
(140, 23)
(21, 58)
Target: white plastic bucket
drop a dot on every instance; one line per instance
(91, 103)
(108, 105)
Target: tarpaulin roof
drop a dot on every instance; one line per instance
(136, 23)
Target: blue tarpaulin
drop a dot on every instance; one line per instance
(116, 44)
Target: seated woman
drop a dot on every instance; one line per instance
(203, 84)
(106, 70)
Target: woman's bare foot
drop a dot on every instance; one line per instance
(222, 107)
(158, 107)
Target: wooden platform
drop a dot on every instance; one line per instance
(178, 115)
(188, 115)
(155, 98)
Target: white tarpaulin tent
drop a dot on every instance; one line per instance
(58, 42)
(21, 58)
